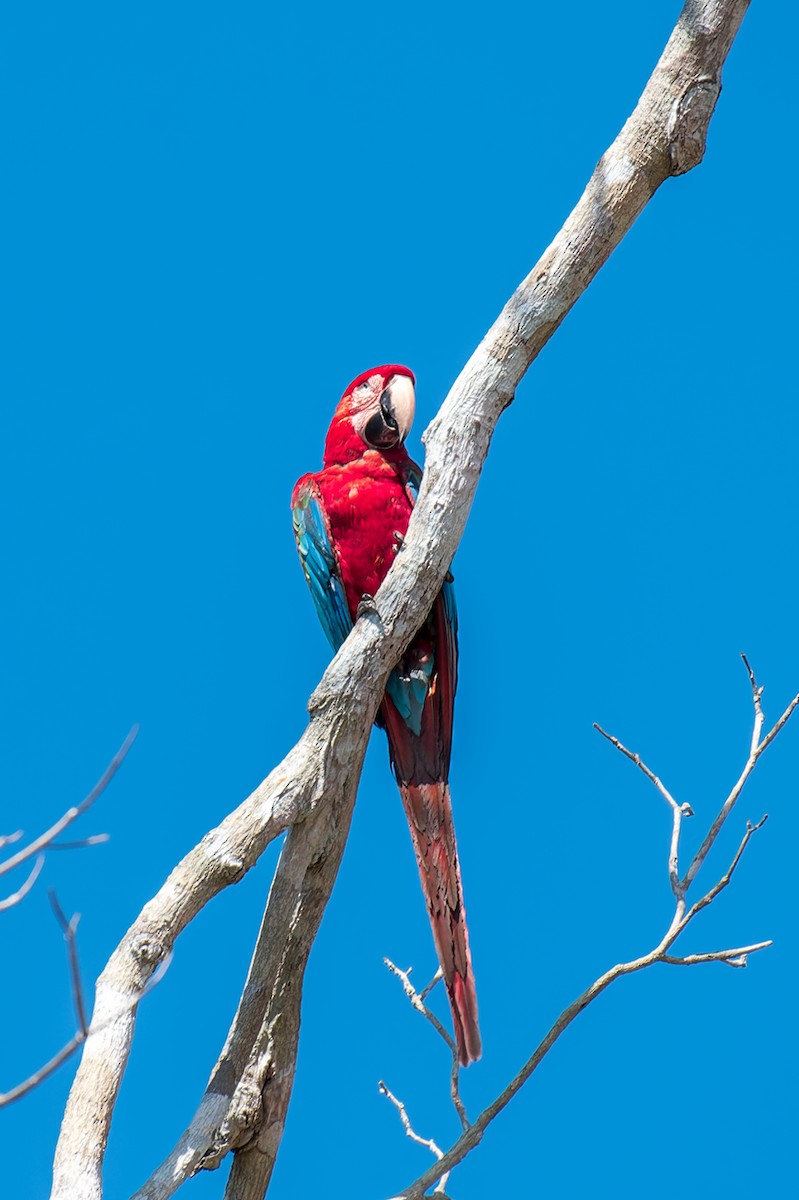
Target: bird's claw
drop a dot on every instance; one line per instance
(399, 540)
(449, 577)
(366, 607)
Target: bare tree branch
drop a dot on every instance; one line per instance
(22, 892)
(39, 846)
(736, 957)
(729, 803)
(27, 1085)
(678, 811)
(95, 839)
(411, 1133)
(733, 958)
(710, 896)
(45, 840)
(312, 791)
(417, 1000)
(69, 929)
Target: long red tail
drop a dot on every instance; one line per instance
(429, 812)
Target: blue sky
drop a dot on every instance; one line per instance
(212, 220)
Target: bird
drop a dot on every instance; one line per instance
(350, 521)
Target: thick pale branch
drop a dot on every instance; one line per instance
(664, 136)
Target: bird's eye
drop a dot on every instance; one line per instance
(363, 386)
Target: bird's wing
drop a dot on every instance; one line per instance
(319, 562)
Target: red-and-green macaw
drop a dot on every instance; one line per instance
(349, 522)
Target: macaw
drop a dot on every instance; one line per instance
(350, 520)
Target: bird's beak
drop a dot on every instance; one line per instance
(398, 404)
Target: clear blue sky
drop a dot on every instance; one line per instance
(213, 218)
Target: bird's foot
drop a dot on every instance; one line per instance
(399, 540)
(366, 607)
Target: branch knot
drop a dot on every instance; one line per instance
(688, 122)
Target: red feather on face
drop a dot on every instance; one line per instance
(349, 522)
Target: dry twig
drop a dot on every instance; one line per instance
(39, 846)
(735, 957)
(69, 929)
(417, 1000)
(21, 892)
(411, 1133)
(47, 840)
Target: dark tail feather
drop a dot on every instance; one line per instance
(429, 812)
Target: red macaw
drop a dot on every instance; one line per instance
(349, 522)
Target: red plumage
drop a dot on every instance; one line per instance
(366, 493)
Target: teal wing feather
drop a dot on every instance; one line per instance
(319, 562)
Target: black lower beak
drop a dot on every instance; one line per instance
(381, 429)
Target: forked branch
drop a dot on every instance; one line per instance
(69, 930)
(734, 957)
(47, 840)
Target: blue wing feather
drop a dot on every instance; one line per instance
(320, 565)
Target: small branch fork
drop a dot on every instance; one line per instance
(417, 999)
(69, 930)
(409, 1130)
(47, 841)
(683, 915)
(39, 846)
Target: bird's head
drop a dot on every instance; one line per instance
(375, 413)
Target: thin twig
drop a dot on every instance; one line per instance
(417, 1000)
(729, 803)
(425, 992)
(95, 839)
(45, 839)
(636, 758)
(757, 695)
(6, 839)
(27, 1085)
(15, 897)
(69, 930)
(733, 958)
(678, 811)
(710, 896)
(411, 1133)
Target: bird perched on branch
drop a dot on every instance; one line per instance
(350, 520)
